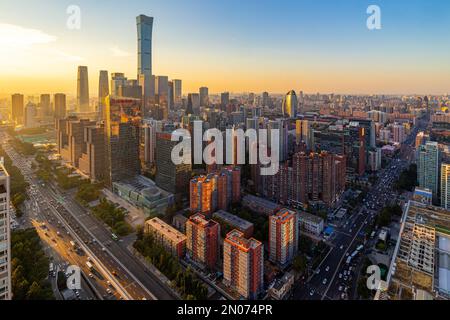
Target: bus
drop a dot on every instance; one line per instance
(89, 265)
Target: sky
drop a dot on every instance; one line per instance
(232, 45)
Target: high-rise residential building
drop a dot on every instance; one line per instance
(303, 133)
(83, 90)
(92, 159)
(428, 167)
(45, 106)
(171, 95)
(148, 143)
(103, 92)
(169, 237)
(317, 177)
(283, 237)
(243, 264)
(122, 135)
(5, 235)
(145, 70)
(60, 106)
(203, 240)
(399, 133)
(375, 159)
(445, 186)
(290, 104)
(171, 177)
(18, 108)
(177, 91)
(421, 139)
(204, 96)
(30, 115)
(215, 191)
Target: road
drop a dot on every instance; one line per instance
(123, 270)
(330, 282)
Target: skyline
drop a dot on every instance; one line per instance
(233, 50)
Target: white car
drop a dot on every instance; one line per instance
(325, 281)
(327, 269)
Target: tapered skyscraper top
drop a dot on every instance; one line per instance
(83, 90)
(145, 30)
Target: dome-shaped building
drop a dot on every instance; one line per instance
(290, 104)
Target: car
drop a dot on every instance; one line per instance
(325, 281)
(327, 269)
(340, 275)
(91, 275)
(108, 291)
(345, 278)
(345, 272)
(311, 293)
(340, 288)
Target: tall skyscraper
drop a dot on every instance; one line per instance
(204, 96)
(290, 104)
(428, 167)
(243, 264)
(177, 91)
(283, 237)
(193, 104)
(45, 106)
(5, 235)
(224, 99)
(18, 108)
(118, 79)
(445, 186)
(60, 106)
(203, 240)
(122, 135)
(103, 92)
(83, 90)
(145, 31)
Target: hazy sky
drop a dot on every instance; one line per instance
(232, 45)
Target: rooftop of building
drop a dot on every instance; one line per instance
(233, 219)
(310, 217)
(200, 220)
(237, 238)
(261, 201)
(284, 215)
(168, 231)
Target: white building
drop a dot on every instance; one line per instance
(310, 223)
(5, 239)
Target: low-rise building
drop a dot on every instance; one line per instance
(282, 288)
(235, 222)
(260, 205)
(310, 223)
(172, 239)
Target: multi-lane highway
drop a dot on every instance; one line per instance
(125, 273)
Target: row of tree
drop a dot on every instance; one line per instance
(185, 281)
(29, 267)
(113, 217)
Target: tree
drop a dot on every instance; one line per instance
(300, 264)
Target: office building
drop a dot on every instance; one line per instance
(178, 92)
(203, 240)
(193, 104)
(243, 265)
(117, 80)
(92, 159)
(5, 235)
(83, 90)
(145, 70)
(60, 106)
(169, 237)
(122, 136)
(171, 177)
(30, 116)
(45, 106)
(428, 167)
(290, 105)
(283, 237)
(204, 97)
(224, 100)
(18, 108)
(103, 92)
(310, 223)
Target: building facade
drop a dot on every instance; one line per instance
(5, 235)
(283, 237)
